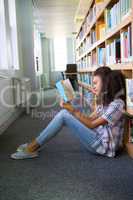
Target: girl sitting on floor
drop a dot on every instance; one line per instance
(101, 132)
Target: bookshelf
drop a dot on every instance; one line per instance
(105, 38)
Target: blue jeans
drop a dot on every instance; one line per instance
(86, 135)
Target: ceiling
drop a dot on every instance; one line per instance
(56, 17)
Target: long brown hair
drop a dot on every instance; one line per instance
(113, 85)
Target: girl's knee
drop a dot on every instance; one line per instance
(64, 111)
(63, 114)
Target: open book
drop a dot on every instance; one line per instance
(65, 90)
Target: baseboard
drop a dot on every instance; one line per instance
(10, 119)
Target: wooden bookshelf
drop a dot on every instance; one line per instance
(105, 3)
(123, 28)
(122, 66)
(114, 31)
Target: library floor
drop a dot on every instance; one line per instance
(65, 170)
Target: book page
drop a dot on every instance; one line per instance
(69, 91)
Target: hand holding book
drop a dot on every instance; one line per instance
(67, 106)
(70, 108)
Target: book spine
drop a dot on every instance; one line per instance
(129, 42)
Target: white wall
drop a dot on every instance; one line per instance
(26, 59)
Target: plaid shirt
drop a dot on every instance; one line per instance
(111, 134)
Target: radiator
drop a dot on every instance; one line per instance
(21, 91)
(16, 83)
(6, 98)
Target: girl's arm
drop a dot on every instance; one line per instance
(91, 122)
(70, 108)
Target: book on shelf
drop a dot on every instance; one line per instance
(84, 62)
(65, 90)
(100, 30)
(115, 14)
(113, 52)
(94, 58)
(117, 46)
(88, 42)
(101, 56)
(129, 95)
(86, 78)
(88, 60)
(107, 19)
(126, 45)
(93, 36)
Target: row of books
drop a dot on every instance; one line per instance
(91, 39)
(85, 78)
(91, 16)
(120, 49)
(97, 33)
(125, 41)
(85, 62)
(113, 15)
(88, 42)
(88, 61)
(113, 53)
(117, 50)
(95, 8)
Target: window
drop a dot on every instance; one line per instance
(60, 54)
(8, 35)
(13, 33)
(3, 41)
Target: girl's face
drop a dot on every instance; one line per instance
(97, 85)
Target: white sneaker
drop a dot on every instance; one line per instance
(22, 147)
(19, 155)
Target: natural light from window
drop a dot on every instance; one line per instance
(13, 32)
(3, 54)
(60, 54)
(9, 58)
